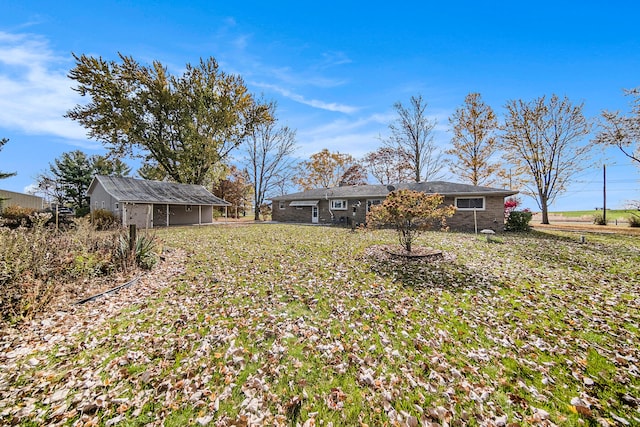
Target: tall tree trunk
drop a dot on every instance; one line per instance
(544, 202)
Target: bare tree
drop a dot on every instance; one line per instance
(623, 131)
(412, 132)
(388, 164)
(474, 142)
(268, 148)
(542, 140)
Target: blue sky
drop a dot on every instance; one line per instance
(335, 68)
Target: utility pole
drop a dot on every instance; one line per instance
(604, 194)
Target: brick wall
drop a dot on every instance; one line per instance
(491, 217)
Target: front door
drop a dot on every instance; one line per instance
(314, 214)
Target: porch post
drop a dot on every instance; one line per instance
(199, 214)
(167, 215)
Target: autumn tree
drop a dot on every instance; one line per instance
(268, 149)
(388, 165)
(181, 126)
(235, 189)
(355, 174)
(474, 142)
(410, 213)
(4, 175)
(542, 139)
(323, 170)
(623, 131)
(412, 132)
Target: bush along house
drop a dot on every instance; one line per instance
(481, 207)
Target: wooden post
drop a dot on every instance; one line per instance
(132, 237)
(604, 194)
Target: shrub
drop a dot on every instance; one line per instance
(410, 213)
(40, 263)
(103, 219)
(17, 216)
(518, 221)
(144, 255)
(598, 219)
(633, 220)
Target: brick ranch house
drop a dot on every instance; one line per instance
(149, 204)
(345, 204)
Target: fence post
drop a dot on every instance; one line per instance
(132, 237)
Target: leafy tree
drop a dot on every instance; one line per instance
(268, 148)
(324, 170)
(388, 165)
(4, 175)
(474, 142)
(542, 140)
(623, 131)
(410, 213)
(69, 177)
(72, 174)
(181, 126)
(102, 165)
(412, 132)
(235, 189)
(354, 175)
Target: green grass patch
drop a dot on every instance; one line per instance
(276, 324)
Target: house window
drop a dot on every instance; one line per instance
(338, 205)
(117, 206)
(103, 204)
(281, 204)
(373, 202)
(470, 203)
(187, 208)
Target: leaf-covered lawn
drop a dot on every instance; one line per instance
(287, 325)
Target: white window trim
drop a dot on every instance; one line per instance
(281, 204)
(188, 208)
(484, 203)
(343, 202)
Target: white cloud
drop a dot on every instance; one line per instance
(35, 91)
(329, 106)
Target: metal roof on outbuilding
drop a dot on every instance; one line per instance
(131, 190)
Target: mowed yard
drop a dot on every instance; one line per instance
(299, 325)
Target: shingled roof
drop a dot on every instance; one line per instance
(131, 190)
(381, 191)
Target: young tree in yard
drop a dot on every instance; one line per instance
(268, 150)
(412, 132)
(4, 175)
(388, 165)
(474, 142)
(323, 170)
(542, 139)
(623, 131)
(182, 126)
(410, 213)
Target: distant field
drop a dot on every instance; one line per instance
(611, 214)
